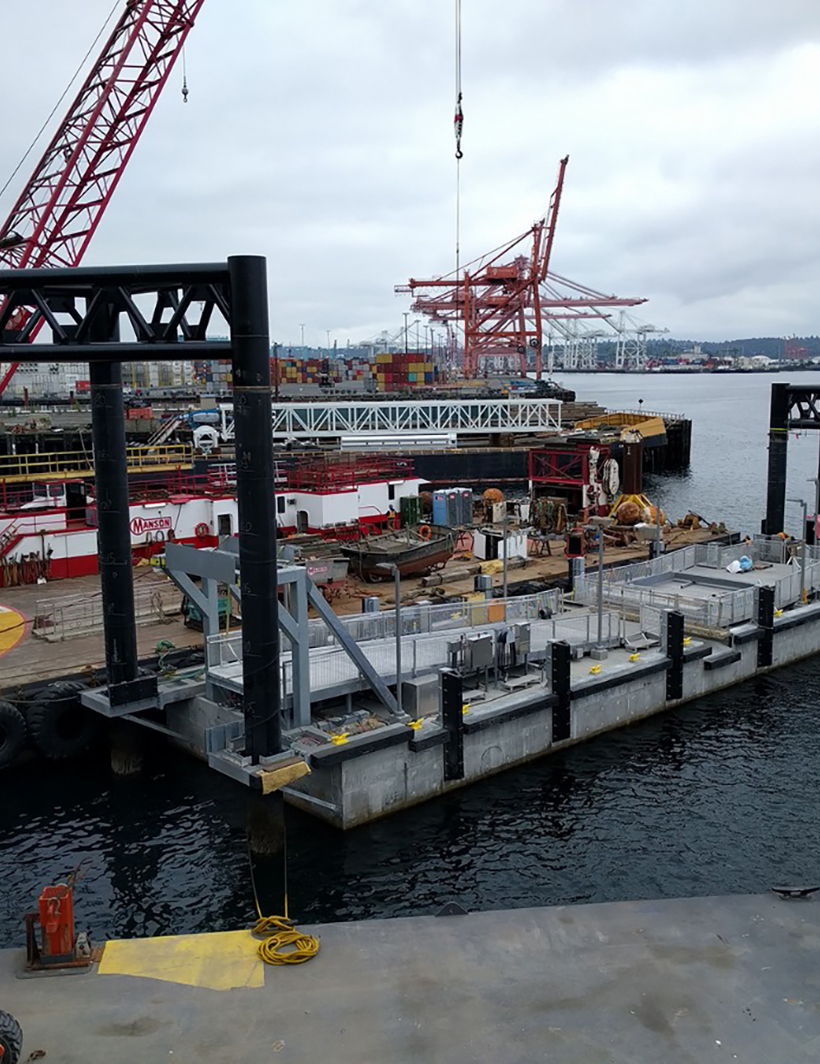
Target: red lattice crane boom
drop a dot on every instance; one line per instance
(62, 204)
(503, 299)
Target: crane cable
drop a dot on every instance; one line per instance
(184, 76)
(53, 111)
(458, 124)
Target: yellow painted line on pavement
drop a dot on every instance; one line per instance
(220, 960)
(12, 629)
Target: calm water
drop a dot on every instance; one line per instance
(718, 797)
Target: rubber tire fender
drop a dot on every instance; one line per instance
(59, 725)
(12, 739)
(11, 1035)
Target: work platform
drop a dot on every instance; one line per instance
(636, 982)
(332, 673)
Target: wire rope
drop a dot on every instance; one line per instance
(66, 90)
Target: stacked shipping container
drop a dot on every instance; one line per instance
(396, 371)
(389, 372)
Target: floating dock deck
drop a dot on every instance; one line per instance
(705, 979)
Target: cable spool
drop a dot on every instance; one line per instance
(202, 530)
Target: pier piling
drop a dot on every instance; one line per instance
(113, 531)
(778, 454)
(250, 346)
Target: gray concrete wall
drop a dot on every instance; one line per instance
(386, 780)
(633, 699)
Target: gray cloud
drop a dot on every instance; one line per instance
(320, 135)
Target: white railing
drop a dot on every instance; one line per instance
(464, 416)
(65, 618)
(439, 617)
(733, 607)
(330, 667)
(726, 606)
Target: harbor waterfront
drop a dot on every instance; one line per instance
(177, 869)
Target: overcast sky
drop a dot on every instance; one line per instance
(319, 133)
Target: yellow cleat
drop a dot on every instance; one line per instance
(595, 669)
(415, 724)
(634, 657)
(339, 738)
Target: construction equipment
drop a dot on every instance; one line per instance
(193, 616)
(51, 943)
(63, 202)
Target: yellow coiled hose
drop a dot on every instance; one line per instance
(282, 943)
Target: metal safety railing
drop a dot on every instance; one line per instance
(423, 651)
(330, 667)
(56, 619)
(63, 465)
(440, 617)
(725, 607)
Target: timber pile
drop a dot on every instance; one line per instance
(572, 412)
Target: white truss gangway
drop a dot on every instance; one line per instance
(425, 417)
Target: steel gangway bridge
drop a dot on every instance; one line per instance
(415, 417)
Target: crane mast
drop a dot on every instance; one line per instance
(64, 200)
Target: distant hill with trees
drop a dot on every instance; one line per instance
(771, 346)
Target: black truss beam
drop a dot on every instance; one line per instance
(181, 301)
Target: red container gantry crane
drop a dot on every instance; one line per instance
(503, 299)
(62, 204)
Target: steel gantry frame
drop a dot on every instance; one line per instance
(84, 309)
(793, 406)
(63, 202)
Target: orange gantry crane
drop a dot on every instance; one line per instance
(502, 301)
(61, 206)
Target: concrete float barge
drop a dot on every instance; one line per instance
(495, 684)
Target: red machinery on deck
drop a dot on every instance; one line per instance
(56, 912)
(51, 942)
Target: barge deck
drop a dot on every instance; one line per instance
(678, 980)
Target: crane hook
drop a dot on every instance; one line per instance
(184, 90)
